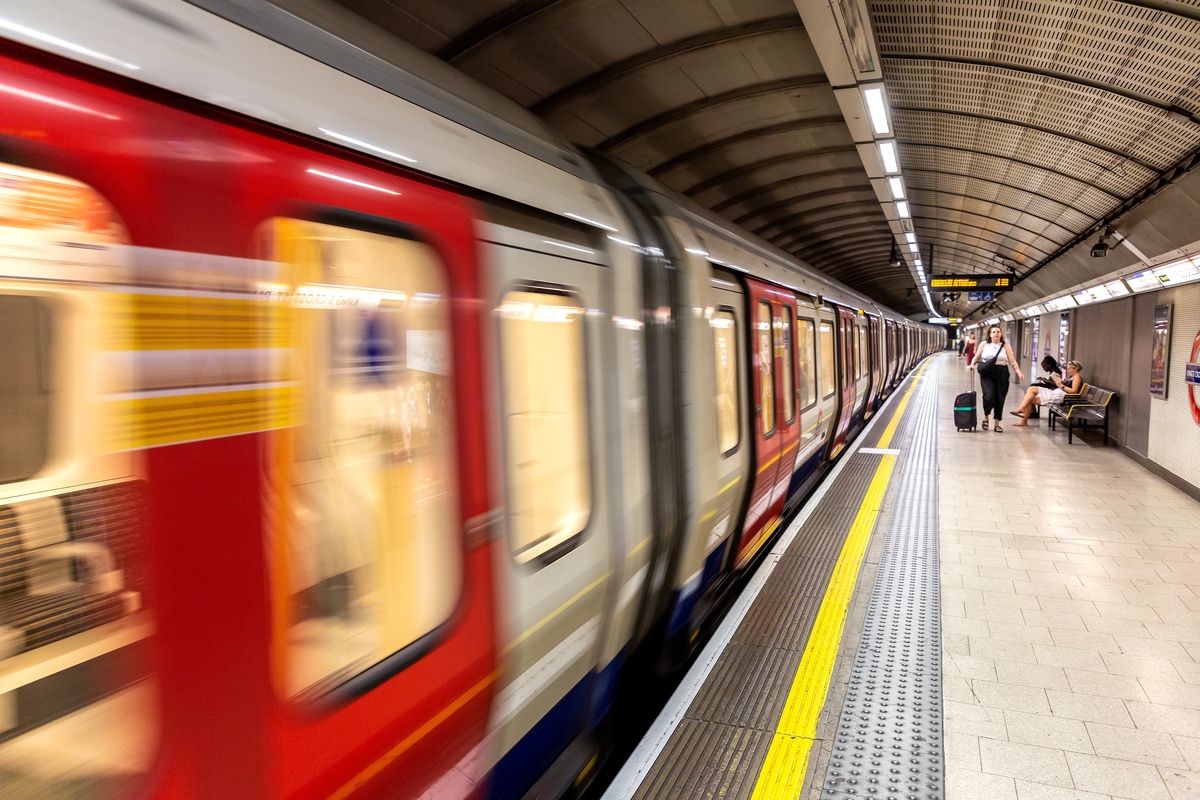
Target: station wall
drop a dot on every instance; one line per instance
(1114, 341)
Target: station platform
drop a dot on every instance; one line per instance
(961, 615)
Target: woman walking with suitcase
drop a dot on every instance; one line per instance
(991, 362)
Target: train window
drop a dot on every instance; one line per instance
(766, 358)
(789, 369)
(806, 344)
(545, 413)
(365, 548)
(863, 352)
(725, 346)
(25, 370)
(827, 376)
(78, 700)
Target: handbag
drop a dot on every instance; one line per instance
(989, 366)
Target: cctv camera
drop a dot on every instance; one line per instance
(1100, 248)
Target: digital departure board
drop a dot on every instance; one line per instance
(985, 283)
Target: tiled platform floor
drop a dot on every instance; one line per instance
(1071, 617)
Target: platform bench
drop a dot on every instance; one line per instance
(1087, 411)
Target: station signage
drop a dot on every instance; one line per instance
(1191, 376)
(982, 283)
(980, 297)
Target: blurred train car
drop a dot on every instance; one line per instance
(357, 432)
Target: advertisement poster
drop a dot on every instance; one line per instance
(1160, 352)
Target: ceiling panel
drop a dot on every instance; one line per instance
(725, 102)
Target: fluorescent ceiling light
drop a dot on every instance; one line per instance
(54, 101)
(568, 246)
(350, 181)
(887, 154)
(902, 209)
(912, 248)
(876, 109)
(589, 221)
(911, 238)
(897, 187)
(918, 263)
(366, 145)
(63, 44)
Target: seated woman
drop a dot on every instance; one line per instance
(1041, 396)
(1051, 368)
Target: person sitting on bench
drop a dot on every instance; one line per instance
(1052, 369)
(1041, 396)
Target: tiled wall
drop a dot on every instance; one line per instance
(1174, 437)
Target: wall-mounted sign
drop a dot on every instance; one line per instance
(980, 297)
(1191, 374)
(1142, 281)
(983, 283)
(1160, 351)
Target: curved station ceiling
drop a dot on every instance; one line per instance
(1020, 126)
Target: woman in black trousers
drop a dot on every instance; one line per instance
(993, 382)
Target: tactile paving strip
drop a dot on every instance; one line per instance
(889, 738)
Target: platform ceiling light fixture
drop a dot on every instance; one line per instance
(912, 248)
(911, 238)
(897, 187)
(63, 44)
(887, 154)
(366, 146)
(877, 110)
(902, 209)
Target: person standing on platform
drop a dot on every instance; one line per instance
(969, 350)
(962, 342)
(991, 362)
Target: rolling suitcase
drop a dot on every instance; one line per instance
(965, 409)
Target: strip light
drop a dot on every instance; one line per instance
(887, 154)
(63, 44)
(877, 110)
(350, 181)
(366, 145)
(902, 209)
(897, 187)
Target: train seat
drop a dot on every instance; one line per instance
(53, 584)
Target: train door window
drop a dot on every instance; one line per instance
(365, 548)
(863, 353)
(806, 344)
(25, 369)
(545, 412)
(789, 370)
(827, 374)
(725, 350)
(78, 699)
(766, 359)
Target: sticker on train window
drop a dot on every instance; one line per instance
(361, 487)
(543, 372)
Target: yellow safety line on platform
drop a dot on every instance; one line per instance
(782, 775)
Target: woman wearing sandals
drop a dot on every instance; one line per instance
(991, 362)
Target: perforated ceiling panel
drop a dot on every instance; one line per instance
(1021, 125)
(726, 102)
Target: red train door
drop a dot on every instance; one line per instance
(846, 372)
(873, 348)
(776, 419)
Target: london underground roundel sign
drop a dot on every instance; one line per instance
(1191, 375)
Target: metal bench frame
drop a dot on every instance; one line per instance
(1090, 411)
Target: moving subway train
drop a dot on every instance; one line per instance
(356, 438)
